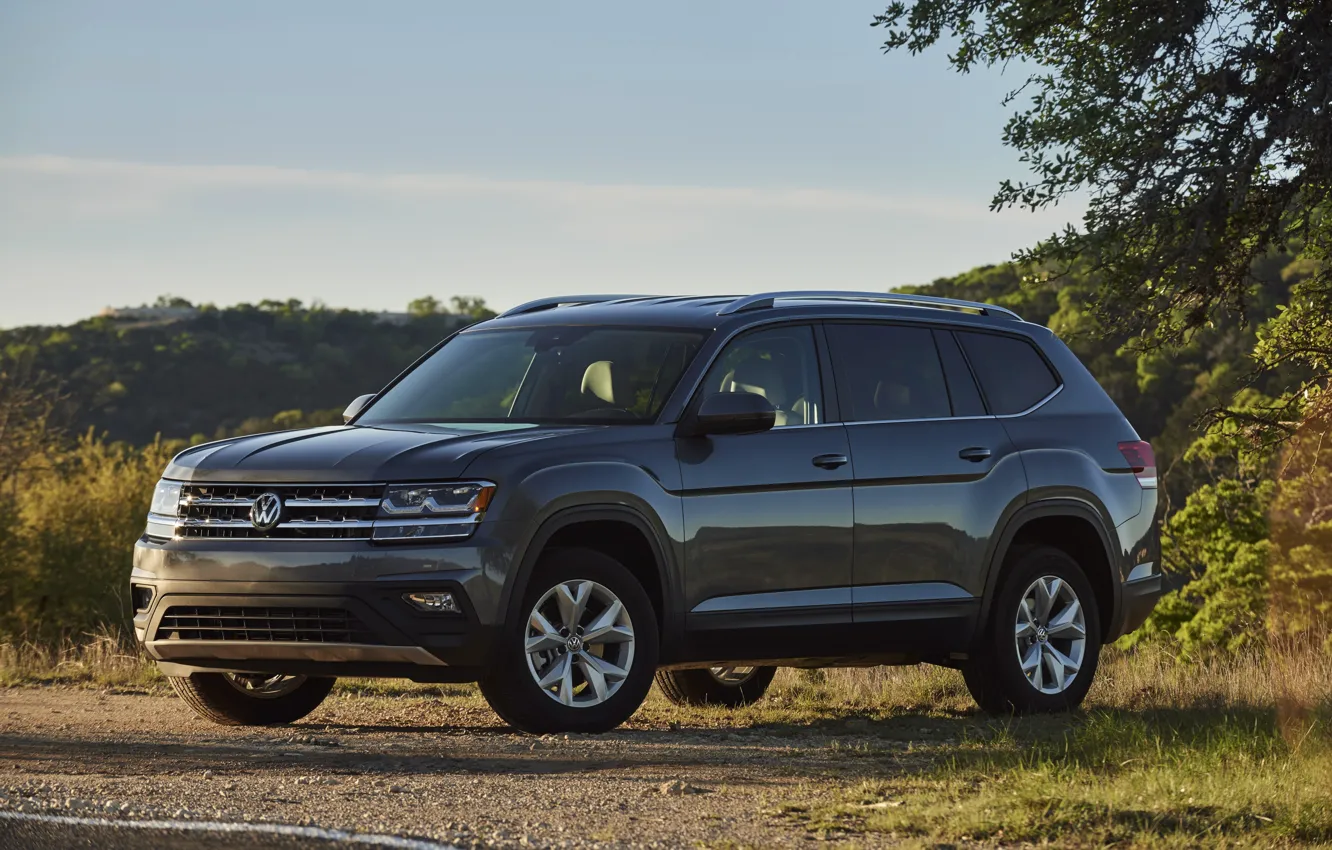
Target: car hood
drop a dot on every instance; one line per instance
(351, 454)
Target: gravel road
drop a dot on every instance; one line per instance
(434, 767)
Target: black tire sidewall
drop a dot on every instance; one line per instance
(1011, 683)
(213, 697)
(515, 695)
(700, 687)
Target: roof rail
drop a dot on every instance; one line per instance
(766, 300)
(563, 300)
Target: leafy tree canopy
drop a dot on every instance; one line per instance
(1200, 132)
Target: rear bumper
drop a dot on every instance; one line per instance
(368, 583)
(1138, 600)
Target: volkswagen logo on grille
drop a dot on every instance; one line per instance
(266, 512)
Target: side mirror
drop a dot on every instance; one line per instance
(730, 413)
(356, 406)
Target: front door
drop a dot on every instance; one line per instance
(934, 474)
(768, 516)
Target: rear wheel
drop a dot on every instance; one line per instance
(1041, 647)
(252, 699)
(581, 659)
(727, 686)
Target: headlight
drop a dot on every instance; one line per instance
(166, 498)
(437, 500)
(164, 510)
(410, 512)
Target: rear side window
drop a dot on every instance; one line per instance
(1012, 373)
(887, 372)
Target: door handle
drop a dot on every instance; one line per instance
(830, 461)
(975, 454)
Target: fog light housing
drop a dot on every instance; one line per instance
(141, 596)
(433, 602)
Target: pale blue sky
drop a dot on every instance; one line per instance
(369, 153)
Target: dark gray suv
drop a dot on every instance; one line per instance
(586, 493)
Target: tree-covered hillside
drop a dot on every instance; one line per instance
(184, 371)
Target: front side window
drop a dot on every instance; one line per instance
(545, 375)
(780, 364)
(887, 372)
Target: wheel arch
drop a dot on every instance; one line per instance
(569, 524)
(1048, 521)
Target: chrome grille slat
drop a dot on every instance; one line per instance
(309, 512)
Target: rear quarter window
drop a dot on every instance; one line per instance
(1012, 373)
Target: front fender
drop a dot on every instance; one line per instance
(550, 498)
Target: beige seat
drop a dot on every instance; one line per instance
(761, 377)
(598, 381)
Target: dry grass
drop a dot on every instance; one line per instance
(1224, 752)
(104, 659)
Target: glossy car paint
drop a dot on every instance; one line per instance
(758, 553)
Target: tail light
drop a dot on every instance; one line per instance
(1141, 459)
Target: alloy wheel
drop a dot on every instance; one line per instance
(732, 675)
(579, 643)
(1050, 634)
(264, 685)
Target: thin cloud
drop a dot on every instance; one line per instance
(114, 185)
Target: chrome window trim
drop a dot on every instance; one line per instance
(1031, 409)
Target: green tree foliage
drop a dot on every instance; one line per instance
(69, 520)
(428, 305)
(208, 374)
(1199, 134)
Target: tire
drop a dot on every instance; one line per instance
(710, 687)
(232, 699)
(995, 673)
(572, 701)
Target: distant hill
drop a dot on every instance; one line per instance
(181, 371)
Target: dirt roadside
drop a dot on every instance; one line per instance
(438, 767)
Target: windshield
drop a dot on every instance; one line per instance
(545, 375)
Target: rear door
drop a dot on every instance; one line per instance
(768, 516)
(934, 474)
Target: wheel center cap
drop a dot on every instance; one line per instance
(574, 643)
(1041, 634)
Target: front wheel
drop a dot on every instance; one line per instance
(1040, 649)
(252, 699)
(581, 658)
(731, 687)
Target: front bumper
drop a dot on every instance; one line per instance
(365, 581)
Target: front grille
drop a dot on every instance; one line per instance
(294, 625)
(309, 511)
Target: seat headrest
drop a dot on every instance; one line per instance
(597, 381)
(892, 400)
(762, 377)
